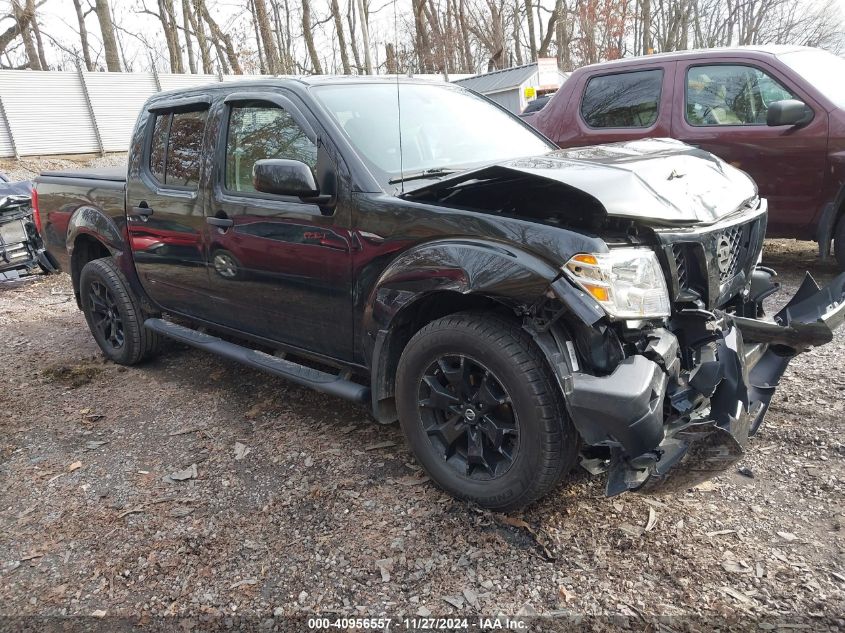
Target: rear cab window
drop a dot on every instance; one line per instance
(176, 148)
(622, 100)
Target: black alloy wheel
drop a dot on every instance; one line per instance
(105, 315)
(468, 417)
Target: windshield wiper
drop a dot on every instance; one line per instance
(425, 173)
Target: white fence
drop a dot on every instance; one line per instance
(79, 112)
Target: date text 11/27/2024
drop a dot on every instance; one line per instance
(480, 623)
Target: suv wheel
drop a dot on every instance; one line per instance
(113, 314)
(482, 412)
(839, 243)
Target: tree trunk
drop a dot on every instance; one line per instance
(198, 27)
(646, 22)
(532, 40)
(309, 37)
(262, 64)
(222, 42)
(101, 8)
(30, 8)
(171, 35)
(353, 41)
(188, 27)
(271, 53)
(25, 18)
(462, 20)
(281, 42)
(365, 34)
(341, 38)
(83, 36)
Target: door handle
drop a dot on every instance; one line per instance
(223, 223)
(142, 209)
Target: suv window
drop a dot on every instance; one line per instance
(176, 148)
(258, 132)
(623, 100)
(731, 95)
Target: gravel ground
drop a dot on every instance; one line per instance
(191, 487)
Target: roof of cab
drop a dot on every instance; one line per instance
(708, 53)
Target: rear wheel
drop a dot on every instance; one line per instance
(113, 314)
(482, 412)
(839, 243)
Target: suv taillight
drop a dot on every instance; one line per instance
(36, 214)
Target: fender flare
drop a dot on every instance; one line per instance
(92, 222)
(463, 269)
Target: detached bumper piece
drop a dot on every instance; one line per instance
(21, 249)
(683, 410)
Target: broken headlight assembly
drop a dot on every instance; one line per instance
(627, 282)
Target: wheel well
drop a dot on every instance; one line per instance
(85, 249)
(404, 325)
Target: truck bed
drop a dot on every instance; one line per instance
(64, 195)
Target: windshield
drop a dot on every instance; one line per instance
(822, 69)
(443, 127)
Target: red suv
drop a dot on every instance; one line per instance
(776, 112)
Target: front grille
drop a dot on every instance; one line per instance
(730, 246)
(711, 266)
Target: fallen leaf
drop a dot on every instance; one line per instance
(378, 445)
(241, 451)
(736, 595)
(513, 521)
(631, 530)
(787, 536)
(241, 583)
(471, 597)
(180, 512)
(706, 486)
(455, 601)
(736, 567)
(384, 566)
(652, 520)
(74, 466)
(99, 613)
(183, 475)
(132, 511)
(564, 593)
(94, 444)
(410, 480)
(721, 532)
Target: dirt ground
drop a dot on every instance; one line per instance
(194, 488)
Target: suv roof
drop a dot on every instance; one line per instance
(744, 51)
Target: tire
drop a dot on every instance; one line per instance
(500, 365)
(107, 301)
(839, 243)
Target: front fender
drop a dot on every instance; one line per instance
(512, 277)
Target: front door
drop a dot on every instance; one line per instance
(281, 270)
(165, 221)
(724, 113)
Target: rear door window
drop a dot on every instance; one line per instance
(731, 95)
(176, 148)
(623, 100)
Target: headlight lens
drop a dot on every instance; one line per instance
(627, 282)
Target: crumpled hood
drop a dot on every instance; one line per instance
(661, 180)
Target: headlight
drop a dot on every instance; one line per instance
(627, 282)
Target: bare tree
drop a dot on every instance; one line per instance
(101, 8)
(222, 41)
(308, 35)
(271, 52)
(341, 39)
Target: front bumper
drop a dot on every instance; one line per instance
(683, 409)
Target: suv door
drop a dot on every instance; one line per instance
(165, 222)
(281, 270)
(618, 106)
(724, 112)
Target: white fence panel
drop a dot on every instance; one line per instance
(170, 81)
(47, 112)
(116, 99)
(6, 147)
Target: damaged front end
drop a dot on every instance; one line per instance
(683, 394)
(21, 247)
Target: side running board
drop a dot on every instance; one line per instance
(301, 375)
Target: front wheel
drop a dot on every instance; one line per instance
(113, 314)
(482, 412)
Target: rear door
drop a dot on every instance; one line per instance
(617, 106)
(281, 270)
(165, 222)
(722, 107)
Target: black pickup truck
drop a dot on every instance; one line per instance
(414, 247)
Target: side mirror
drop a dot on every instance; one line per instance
(284, 177)
(788, 112)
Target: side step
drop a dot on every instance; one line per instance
(301, 375)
